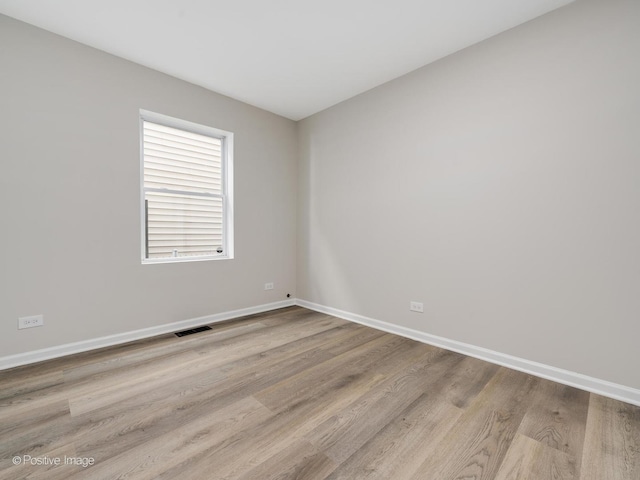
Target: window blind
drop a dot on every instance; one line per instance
(183, 192)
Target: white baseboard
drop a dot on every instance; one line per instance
(86, 345)
(566, 377)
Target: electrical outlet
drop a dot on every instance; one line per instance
(30, 322)
(416, 307)
(268, 286)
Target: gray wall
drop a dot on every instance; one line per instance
(70, 196)
(500, 186)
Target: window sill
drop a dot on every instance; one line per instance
(153, 261)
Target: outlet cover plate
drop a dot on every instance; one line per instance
(416, 307)
(30, 322)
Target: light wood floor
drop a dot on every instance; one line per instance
(294, 394)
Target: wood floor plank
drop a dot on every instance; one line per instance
(21, 382)
(324, 340)
(132, 381)
(468, 380)
(557, 418)
(37, 432)
(344, 433)
(151, 353)
(357, 336)
(477, 444)
(298, 461)
(287, 315)
(84, 389)
(398, 450)
(151, 458)
(347, 367)
(612, 441)
(44, 471)
(249, 448)
(528, 459)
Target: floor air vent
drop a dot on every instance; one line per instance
(192, 331)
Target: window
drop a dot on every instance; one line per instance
(186, 190)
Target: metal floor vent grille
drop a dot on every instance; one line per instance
(192, 331)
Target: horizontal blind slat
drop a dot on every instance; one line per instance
(164, 157)
(161, 176)
(172, 200)
(163, 129)
(165, 212)
(180, 166)
(169, 138)
(187, 186)
(188, 153)
(175, 214)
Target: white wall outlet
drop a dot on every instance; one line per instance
(268, 286)
(30, 322)
(416, 307)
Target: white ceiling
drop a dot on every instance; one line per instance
(291, 57)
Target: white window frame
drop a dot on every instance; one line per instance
(227, 185)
